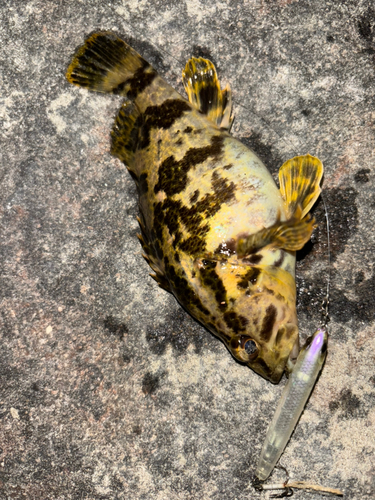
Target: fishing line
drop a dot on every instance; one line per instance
(325, 303)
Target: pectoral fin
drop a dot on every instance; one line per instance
(203, 89)
(299, 183)
(290, 235)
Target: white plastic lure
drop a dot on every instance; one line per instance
(292, 402)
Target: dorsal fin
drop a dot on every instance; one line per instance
(203, 89)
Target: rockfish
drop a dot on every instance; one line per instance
(216, 230)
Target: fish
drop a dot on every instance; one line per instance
(215, 229)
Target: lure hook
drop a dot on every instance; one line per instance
(288, 492)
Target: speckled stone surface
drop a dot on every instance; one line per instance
(108, 389)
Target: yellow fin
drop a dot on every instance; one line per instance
(203, 89)
(291, 235)
(105, 63)
(299, 183)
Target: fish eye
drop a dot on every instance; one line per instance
(244, 348)
(250, 346)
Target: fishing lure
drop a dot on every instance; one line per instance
(216, 231)
(292, 402)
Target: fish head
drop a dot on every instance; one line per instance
(252, 309)
(261, 326)
(267, 336)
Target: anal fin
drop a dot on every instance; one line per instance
(299, 183)
(125, 132)
(290, 235)
(162, 281)
(203, 89)
(151, 258)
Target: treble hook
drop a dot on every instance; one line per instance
(287, 486)
(288, 492)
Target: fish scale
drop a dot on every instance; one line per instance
(216, 230)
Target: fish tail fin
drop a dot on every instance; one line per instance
(105, 63)
(203, 89)
(299, 183)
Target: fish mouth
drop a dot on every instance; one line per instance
(264, 369)
(282, 355)
(277, 374)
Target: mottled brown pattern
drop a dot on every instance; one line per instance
(250, 278)
(211, 279)
(184, 292)
(268, 322)
(142, 78)
(173, 174)
(125, 133)
(194, 196)
(253, 259)
(172, 214)
(162, 116)
(235, 321)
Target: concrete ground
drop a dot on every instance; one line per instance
(108, 389)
